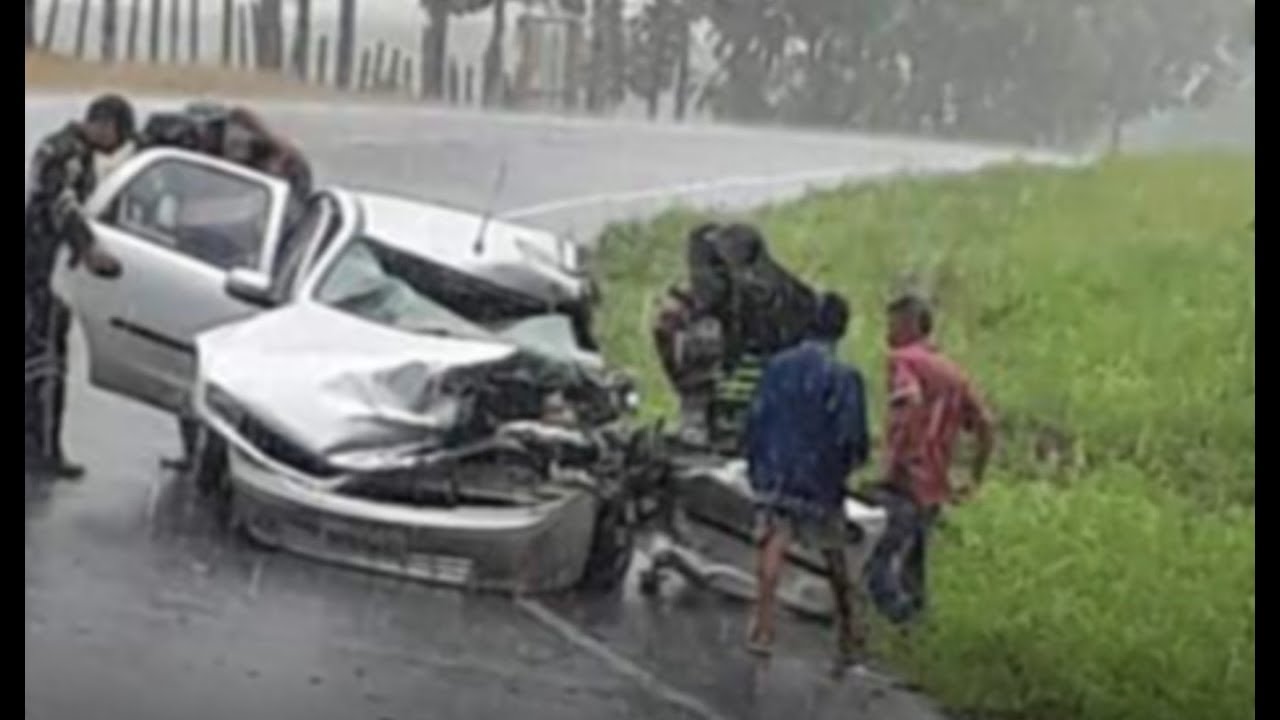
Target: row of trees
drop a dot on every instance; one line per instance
(1024, 70)
(1016, 70)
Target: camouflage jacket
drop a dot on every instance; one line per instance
(61, 179)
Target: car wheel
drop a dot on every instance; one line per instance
(612, 544)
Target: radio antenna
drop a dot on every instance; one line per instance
(499, 181)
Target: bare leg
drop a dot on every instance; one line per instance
(850, 627)
(769, 559)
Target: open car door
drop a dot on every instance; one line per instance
(179, 223)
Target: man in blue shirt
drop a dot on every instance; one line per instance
(806, 432)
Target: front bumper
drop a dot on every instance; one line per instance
(717, 493)
(525, 549)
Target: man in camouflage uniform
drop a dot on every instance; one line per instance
(62, 177)
(234, 134)
(691, 348)
(740, 304)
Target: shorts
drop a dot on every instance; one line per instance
(816, 533)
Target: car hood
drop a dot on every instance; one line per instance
(340, 387)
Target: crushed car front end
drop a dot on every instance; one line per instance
(463, 461)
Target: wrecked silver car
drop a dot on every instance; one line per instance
(371, 425)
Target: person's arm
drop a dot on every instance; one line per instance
(862, 433)
(54, 180)
(855, 443)
(979, 422)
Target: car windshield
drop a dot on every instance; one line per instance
(377, 282)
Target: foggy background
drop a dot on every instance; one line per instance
(1061, 74)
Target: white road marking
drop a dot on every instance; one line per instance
(580, 639)
(742, 182)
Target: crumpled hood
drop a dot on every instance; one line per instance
(334, 384)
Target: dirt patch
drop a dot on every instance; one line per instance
(56, 73)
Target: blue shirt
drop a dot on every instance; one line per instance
(807, 431)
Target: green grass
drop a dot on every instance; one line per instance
(1108, 315)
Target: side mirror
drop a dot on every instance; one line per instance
(250, 286)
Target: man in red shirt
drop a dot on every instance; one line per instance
(930, 402)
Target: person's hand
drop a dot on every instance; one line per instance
(101, 263)
(966, 492)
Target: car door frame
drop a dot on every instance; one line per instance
(133, 360)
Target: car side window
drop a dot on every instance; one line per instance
(201, 212)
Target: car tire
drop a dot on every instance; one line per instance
(612, 545)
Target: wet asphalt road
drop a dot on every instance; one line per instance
(139, 607)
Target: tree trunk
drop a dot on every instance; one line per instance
(617, 53)
(493, 55)
(363, 79)
(302, 39)
(271, 23)
(30, 7)
(110, 14)
(82, 23)
(375, 75)
(51, 24)
(157, 17)
(135, 17)
(346, 47)
(392, 79)
(228, 31)
(682, 73)
(242, 22)
(273, 33)
(175, 29)
(193, 28)
(596, 58)
(321, 75)
(435, 42)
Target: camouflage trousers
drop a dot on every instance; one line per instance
(48, 324)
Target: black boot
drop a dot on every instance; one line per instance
(64, 469)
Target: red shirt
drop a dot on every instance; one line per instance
(930, 402)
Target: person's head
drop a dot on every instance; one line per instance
(831, 318)
(108, 123)
(910, 320)
(704, 232)
(741, 244)
(210, 120)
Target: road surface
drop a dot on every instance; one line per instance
(138, 607)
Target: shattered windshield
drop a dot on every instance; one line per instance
(383, 285)
(390, 287)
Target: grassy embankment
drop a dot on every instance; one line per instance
(1107, 571)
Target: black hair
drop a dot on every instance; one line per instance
(742, 244)
(831, 317)
(704, 231)
(115, 110)
(915, 306)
